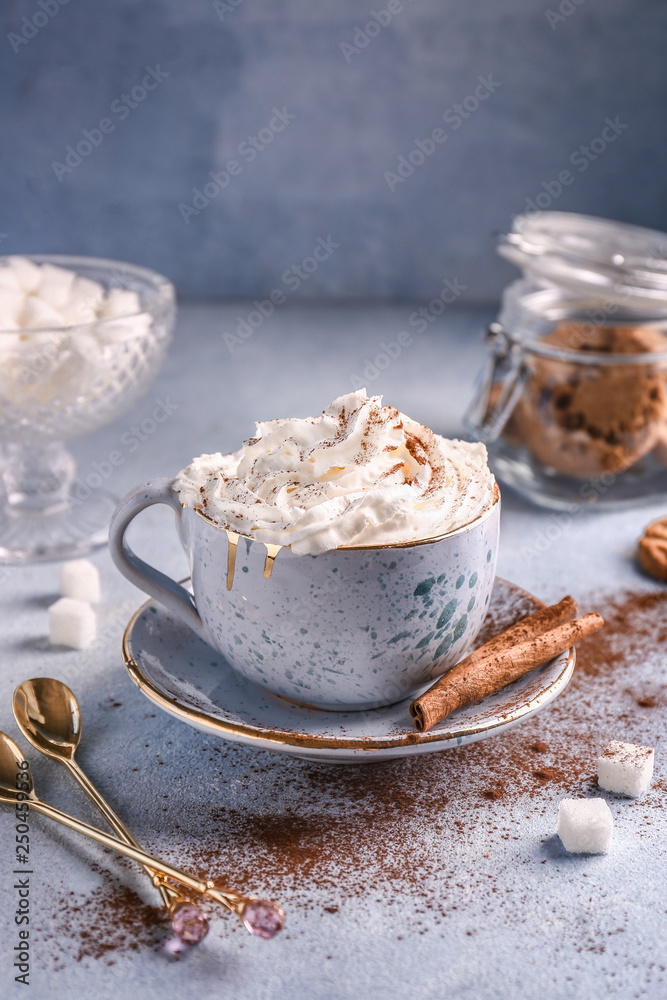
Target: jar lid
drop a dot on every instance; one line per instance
(599, 257)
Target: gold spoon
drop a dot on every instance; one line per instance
(49, 716)
(262, 918)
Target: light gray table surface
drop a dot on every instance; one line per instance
(514, 916)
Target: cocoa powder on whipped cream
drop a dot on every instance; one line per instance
(359, 474)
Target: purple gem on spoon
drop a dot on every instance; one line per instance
(263, 918)
(188, 923)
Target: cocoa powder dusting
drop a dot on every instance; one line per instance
(416, 449)
(400, 829)
(111, 919)
(495, 792)
(546, 774)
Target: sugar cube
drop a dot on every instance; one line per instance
(39, 315)
(128, 328)
(77, 312)
(81, 580)
(53, 274)
(55, 286)
(120, 302)
(8, 279)
(10, 345)
(625, 768)
(88, 292)
(54, 294)
(585, 826)
(28, 274)
(72, 623)
(11, 306)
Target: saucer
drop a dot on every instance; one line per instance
(184, 676)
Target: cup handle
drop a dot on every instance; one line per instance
(172, 595)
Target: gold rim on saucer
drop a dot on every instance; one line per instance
(282, 737)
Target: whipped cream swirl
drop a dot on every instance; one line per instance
(360, 474)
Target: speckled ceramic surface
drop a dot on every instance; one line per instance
(183, 676)
(347, 629)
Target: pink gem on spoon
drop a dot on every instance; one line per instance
(263, 918)
(188, 923)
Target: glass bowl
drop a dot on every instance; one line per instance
(60, 382)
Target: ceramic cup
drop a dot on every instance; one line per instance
(352, 628)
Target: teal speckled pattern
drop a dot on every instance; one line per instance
(348, 628)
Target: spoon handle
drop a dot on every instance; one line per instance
(128, 850)
(170, 895)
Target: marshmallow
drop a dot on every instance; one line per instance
(585, 826)
(72, 623)
(625, 768)
(81, 580)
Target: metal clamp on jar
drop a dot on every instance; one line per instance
(573, 400)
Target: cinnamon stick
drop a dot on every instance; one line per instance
(468, 682)
(536, 624)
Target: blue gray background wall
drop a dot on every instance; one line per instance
(360, 99)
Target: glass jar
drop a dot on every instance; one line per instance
(572, 403)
